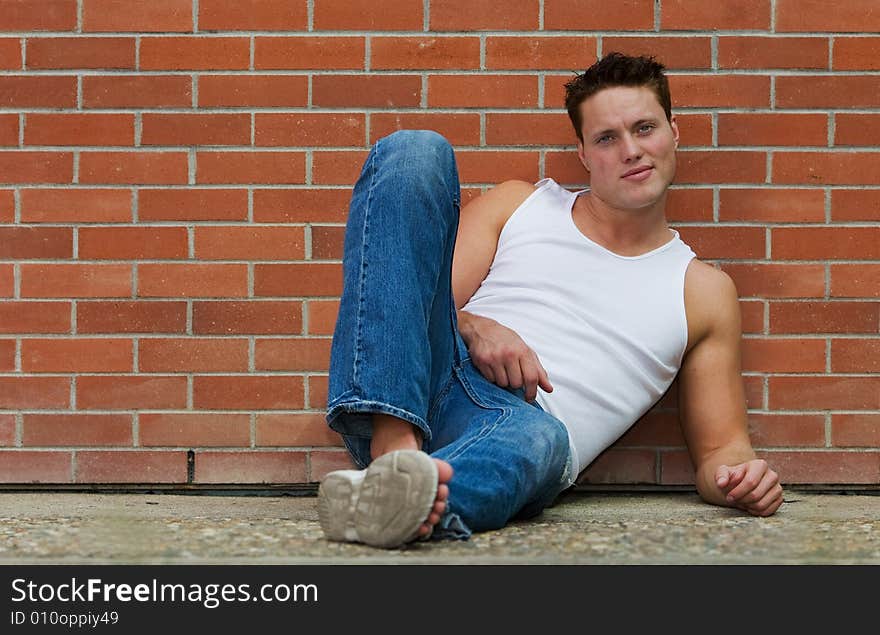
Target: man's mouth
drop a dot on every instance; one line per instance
(635, 171)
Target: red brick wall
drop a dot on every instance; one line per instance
(174, 177)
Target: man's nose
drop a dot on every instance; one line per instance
(630, 149)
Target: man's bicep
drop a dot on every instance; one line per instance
(479, 227)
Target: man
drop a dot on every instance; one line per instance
(480, 361)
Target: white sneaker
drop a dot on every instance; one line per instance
(382, 506)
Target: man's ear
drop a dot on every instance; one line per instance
(581, 155)
(674, 125)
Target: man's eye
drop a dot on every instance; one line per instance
(604, 139)
(646, 128)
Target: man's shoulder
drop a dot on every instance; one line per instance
(711, 301)
(500, 202)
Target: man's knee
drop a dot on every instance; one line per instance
(418, 148)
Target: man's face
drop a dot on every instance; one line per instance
(628, 147)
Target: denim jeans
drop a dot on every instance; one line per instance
(397, 350)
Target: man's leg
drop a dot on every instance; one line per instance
(395, 341)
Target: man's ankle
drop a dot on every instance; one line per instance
(391, 433)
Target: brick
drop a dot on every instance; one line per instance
(196, 130)
(38, 15)
(34, 317)
(137, 316)
(248, 392)
(318, 386)
(250, 467)
(752, 314)
(140, 466)
(192, 204)
(149, 168)
(368, 15)
(337, 168)
(827, 91)
(10, 54)
(825, 243)
(192, 280)
(825, 467)
(855, 281)
(689, 205)
(322, 463)
(32, 243)
(852, 129)
(80, 205)
(813, 15)
(79, 130)
(21, 167)
(485, 91)
(536, 52)
(723, 91)
(483, 15)
(760, 129)
(322, 316)
(6, 281)
(554, 90)
(7, 355)
(196, 52)
(130, 392)
(44, 91)
(309, 53)
(719, 166)
(621, 466)
(695, 129)
(825, 393)
(292, 354)
(298, 280)
(595, 15)
(132, 243)
(855, 205)
(9, 130)
(855, 355)
(251, 317)
(17, 466)
(655, 428)
(494, 167)
(771, 205)
(761, 52)
(79, 355)
(76, 430)
(524, 129)
(253, 15)
(783, 355)
(452, 53)
(766, 430)
(132, 91)
(728, 242)
(460, 129)
(288, 205)
(249, 243)
(855, 430)
(7, 206)
(566, 169)
(75, 281)
(716, 16)
(194, 429)
(250, 167)
(675, 53)
(777, 280)
(137, 15)
(376, 91)
(827, 168)
(676, 468)
(192, 355)
(81, 52)
(17, 393)
(295, 430)
(327, 242)
(824, 317)
(7, 430)
(310, 129)
(856, 53)
(232, 91)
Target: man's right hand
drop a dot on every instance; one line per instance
(501, 355)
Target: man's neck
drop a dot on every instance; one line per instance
(625, 232)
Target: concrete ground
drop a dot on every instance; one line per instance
(583, 528)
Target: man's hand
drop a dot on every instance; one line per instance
(502, 357)
(751, 486)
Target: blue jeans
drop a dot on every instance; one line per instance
(396, 347)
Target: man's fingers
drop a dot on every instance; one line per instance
(768, 481)
(768, 503)
(530, 380)
(543, 380)
(753, 472)
(722, 475)
(500, 374)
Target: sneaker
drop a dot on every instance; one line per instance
(382, 506)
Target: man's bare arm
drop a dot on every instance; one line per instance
(496, 351)
(712, 404)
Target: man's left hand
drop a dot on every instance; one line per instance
(751, 486)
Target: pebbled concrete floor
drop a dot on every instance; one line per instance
(582, 528)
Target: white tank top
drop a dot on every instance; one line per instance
(610, 330)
